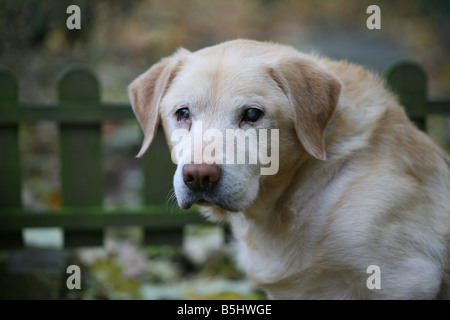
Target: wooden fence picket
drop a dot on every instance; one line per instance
(409, 82)
(10, 169)
(80, 151)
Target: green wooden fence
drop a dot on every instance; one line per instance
(79, 114)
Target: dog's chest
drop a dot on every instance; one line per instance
(294, 273)
(269, 257)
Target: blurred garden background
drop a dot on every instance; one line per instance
(119, 40)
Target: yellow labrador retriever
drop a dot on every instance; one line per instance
(355, 202)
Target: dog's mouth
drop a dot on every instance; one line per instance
(203, 202)
(206, 201)
(190, 200)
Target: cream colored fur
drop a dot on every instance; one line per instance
(358, 184)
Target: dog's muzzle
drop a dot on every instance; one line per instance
(202, 181)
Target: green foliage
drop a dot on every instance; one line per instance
(109, 282)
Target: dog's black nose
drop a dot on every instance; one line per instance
(201, 177)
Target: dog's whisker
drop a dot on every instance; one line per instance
(170, 200)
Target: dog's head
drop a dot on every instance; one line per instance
(273, 98)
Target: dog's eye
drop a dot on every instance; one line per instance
(252, 115)
(182, 114)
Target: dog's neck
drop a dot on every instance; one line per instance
(277, 203)
(280, 225)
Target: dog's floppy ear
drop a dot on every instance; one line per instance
(313, 93)
(146, 92)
